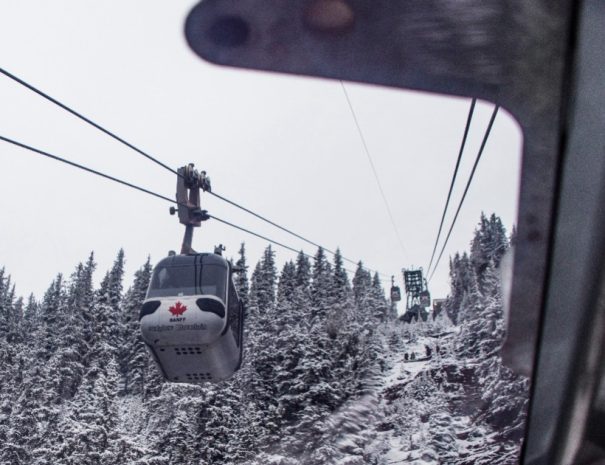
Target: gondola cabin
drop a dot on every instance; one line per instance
(425, 299)
(395, 294)
(192, 318)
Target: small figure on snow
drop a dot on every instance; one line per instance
(413, 356)
(406, 356)
(429, 352)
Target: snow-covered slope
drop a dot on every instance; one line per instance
(433, 411)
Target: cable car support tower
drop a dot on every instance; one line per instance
(418, 296)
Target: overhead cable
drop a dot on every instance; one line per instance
(468, 184)
(85, 119)
(235, 204)
(147, 191)
(155, 160)
(260, 236)
(367, 152)
(449, 194)
(82, 167)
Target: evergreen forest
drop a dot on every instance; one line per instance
(327, 378)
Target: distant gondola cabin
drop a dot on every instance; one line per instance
(395, 294)
(425, 299)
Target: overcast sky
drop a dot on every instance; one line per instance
(284, 146)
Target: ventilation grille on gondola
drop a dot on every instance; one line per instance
(195, 350)
(198, 377)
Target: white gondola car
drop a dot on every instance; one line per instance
(192, 319)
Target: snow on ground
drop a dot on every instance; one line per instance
(435, 435)
(402, 372)
(418, 419)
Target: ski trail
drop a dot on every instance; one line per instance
(395, 448)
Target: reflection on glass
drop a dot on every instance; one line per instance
(189, 280)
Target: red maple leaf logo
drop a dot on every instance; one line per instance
(177, 309)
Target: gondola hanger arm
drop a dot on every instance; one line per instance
(188, 184)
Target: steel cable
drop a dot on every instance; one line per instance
(449, 194)
(155, 160)
(85, 119)
(82, 167)
(468, 184)
(235, 204)
(367, 152)
(147, 191)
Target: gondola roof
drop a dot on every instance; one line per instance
(189, 259)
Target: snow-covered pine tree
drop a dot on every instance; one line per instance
(266, 296)
(107, 313)
(500, 397)
(341, 289)
(71, 348)
(362, 282)
(80, 371)
(9, 360)
(11, 357)
(218, 415)
(303, 272)
(505, 394)
(84, 299)
(133, 354)
(178, 439)
(35, 403)
(287, 283)
(88, 428)
(11, 309)
(255, 377)
(81, 293)
(253, 296)
(488, 245)
(241, 278)
(30, 319)
(321, 285)
(379, 301)
(32, 413)
(293, 328)
(470, 315)
(287, 345)
(340, 299)
(264, 282)
(362, 285)
(462, 278)
(53, 318)
(111, 286)
(4, 302)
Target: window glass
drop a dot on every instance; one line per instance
(214, 281)
(173, 281)
(184, 280)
